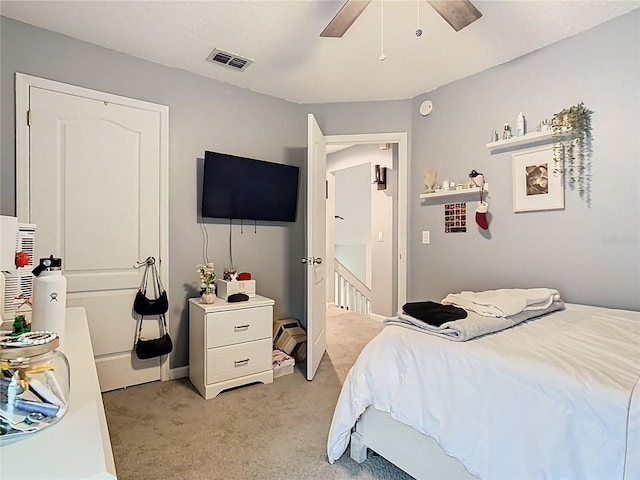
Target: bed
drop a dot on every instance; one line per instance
(554, 396)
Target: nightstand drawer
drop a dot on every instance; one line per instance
(233, 361)
(232, 327)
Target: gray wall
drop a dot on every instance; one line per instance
(203, 115)
(591, 255)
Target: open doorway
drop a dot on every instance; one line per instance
(373, 220)
(316, 223)
(360, 210)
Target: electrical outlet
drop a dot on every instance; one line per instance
(426, 237)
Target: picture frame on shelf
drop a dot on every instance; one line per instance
(535, 184)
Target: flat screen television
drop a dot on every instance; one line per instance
(243, 188)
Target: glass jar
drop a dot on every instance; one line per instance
(34, 384)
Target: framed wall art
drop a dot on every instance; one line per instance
(535, 185)
(455, 218)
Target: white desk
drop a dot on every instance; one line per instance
(78, 446)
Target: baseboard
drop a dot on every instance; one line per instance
(377, 318)
(179, 372)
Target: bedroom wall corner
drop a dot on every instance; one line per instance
(590, 254)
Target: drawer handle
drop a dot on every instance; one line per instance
(237, 328)
(241, 363)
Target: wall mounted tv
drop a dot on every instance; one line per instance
(244, 188)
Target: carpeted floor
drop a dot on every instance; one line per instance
(166, 430)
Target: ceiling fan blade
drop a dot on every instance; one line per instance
(345, 17)
(457, 13)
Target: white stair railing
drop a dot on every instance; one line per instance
(349, 291)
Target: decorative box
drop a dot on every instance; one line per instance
(225, 288)
(279, 326)
(283, 364)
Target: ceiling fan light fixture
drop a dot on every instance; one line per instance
(457, 13)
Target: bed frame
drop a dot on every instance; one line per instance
(417, 454)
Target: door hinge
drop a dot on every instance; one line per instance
(28, 118)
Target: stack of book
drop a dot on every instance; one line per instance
(282, 363)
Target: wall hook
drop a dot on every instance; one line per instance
(149, 261)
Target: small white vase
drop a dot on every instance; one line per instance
(208, 298)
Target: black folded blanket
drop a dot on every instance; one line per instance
(434, 313)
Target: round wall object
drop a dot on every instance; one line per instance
(426, 108)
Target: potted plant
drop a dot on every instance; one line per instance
(207, 279)
(572, 150)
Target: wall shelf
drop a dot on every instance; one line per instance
(533, 137)
(454, 193)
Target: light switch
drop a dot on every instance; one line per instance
(379, 236)
(426, 237)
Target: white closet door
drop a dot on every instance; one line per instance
(94, 194)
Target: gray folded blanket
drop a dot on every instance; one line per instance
(474, 325)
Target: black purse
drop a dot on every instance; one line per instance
(155, 347)
(144, 305)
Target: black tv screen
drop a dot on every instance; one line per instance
(244, 188)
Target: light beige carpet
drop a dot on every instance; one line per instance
(166, 430)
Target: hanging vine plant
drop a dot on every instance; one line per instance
(573, 150)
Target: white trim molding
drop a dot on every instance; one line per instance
(179, 372)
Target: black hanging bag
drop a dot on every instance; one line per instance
(155, 347)
(143, 305)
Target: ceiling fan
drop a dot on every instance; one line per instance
(457, 13)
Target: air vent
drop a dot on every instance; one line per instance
(229, 59)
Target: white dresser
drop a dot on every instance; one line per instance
(78, 446)
(230, 344)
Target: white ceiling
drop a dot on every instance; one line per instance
(292, 62)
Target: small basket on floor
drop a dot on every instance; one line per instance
(282, 363)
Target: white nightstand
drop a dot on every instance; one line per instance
(230, 344)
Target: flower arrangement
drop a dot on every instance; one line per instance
(207, 277)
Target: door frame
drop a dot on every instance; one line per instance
(401, 139)
(23, 194)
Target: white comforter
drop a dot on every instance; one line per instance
(554, 397)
